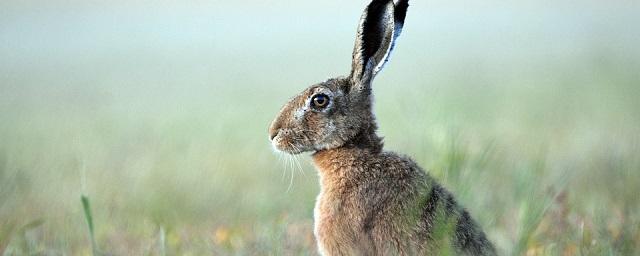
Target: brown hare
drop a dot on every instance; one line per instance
(371, 201)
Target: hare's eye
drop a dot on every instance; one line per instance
(320, 101)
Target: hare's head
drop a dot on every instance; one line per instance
(336, 112)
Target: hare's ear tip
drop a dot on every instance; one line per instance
(380, 25)
(401, 11)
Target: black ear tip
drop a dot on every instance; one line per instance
(379, 2)
(401, 6)
(373, 27)
(377, 5)
(401, 11)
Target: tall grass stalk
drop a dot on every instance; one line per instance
(89, 217)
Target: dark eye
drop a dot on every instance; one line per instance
(320, 101)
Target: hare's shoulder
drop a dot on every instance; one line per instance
(393, 183)
(398, 167)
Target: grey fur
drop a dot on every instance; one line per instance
(372, 202)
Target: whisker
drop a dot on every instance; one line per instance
(292, 173)
(297, 160)
(281, 161)
(286, 162)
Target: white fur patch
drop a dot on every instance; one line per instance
(299, 113)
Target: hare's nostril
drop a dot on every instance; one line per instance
(273, 134)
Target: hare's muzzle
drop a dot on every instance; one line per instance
(272, 134)
(274, 129)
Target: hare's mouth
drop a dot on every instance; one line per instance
(286, 148)
(283, 145)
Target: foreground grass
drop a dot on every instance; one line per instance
(186, 185)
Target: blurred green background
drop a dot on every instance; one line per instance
(529, 111)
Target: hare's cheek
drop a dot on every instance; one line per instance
(326, 135)
(330, 128)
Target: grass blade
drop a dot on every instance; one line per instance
(89, 217)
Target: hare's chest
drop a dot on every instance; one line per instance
(330, 216)
(337, 224)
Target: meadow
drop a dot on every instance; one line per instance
(158, 113)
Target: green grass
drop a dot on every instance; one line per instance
(86, 207)
(536, 131)
(207, 181)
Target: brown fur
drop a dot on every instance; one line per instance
(372, 202)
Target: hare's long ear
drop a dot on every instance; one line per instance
(380, 25)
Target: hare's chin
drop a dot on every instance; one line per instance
(287, 151)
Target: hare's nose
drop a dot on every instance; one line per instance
(273, 130)
(273, 133)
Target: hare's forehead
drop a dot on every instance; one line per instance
(304, 97)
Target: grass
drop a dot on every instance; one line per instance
(89, 217)
(168, 131)
(184, 185)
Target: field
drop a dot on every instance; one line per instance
(158, 113)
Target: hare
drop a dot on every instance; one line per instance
(371, 201)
